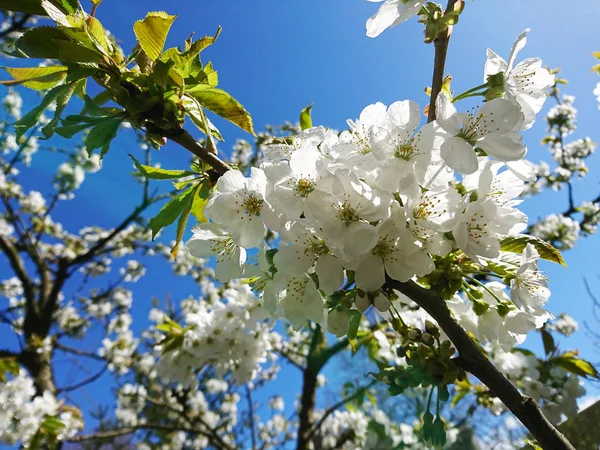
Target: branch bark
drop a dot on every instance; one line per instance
(187, 141)
(472, 359)
(439, 64)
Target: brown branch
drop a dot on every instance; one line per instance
(474, 361)
(439, 64)
(78, 352)
(251, 416)
(110, 434)
(338, 405)
(17, 265)
(309, 389)
(187, 141)
(85, 382)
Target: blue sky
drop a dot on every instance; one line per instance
(277, 56)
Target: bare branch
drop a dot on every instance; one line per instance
(439, 64)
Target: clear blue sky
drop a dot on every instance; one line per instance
(277, 56)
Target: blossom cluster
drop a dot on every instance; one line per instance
(386, 198)
(23, 412)
(228, 333)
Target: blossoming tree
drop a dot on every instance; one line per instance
(394, 236)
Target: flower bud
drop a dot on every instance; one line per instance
(362, 302)
(381, 302)
(414, 334)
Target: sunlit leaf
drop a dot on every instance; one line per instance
(156, 173)
(224, 105)
(305, 118)
(577, 366)
(152, 31)
(38, 78)
(170, 211)
(517, 244)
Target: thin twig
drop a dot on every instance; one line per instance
(439, 64)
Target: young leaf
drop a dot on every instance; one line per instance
(182, 222)
(102, 134)
(97, 33)
(305, 118)
(8, 365)
(182, 59)
(548, 340)
(154, 173)
(29, 120)
(38, 78)
(517, 243)
(224, 105)
(41, 42)
(577, 366)
(201, 196)
(170, 211)
(152, 31)
(61, 103)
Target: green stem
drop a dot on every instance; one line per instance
(476, 281)
(470, 93)
(429, 398)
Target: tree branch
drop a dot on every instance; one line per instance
(441, 50)
(474, 361)
(85, 382)
(110, 434)
(16, 263)
(187, 141)
(251, 417)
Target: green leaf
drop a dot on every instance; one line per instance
(152, 32)
(29, 120)
(97, 33)
(548, 340)
(305, 118)
(53, 423)
(156, 173)
(224, 105)
(102, 134)
(35, 6)
(517, 244)
(55, 13)
(170, 211)
(182, 59)
(61, 103)
(192, 108)
(41, 42)
(72, 52)
(201, 196)
(458, 397)
(23, 6)
(577, 366)
(183, 218)
(355, 316)
(8, 365)
(38, 78)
